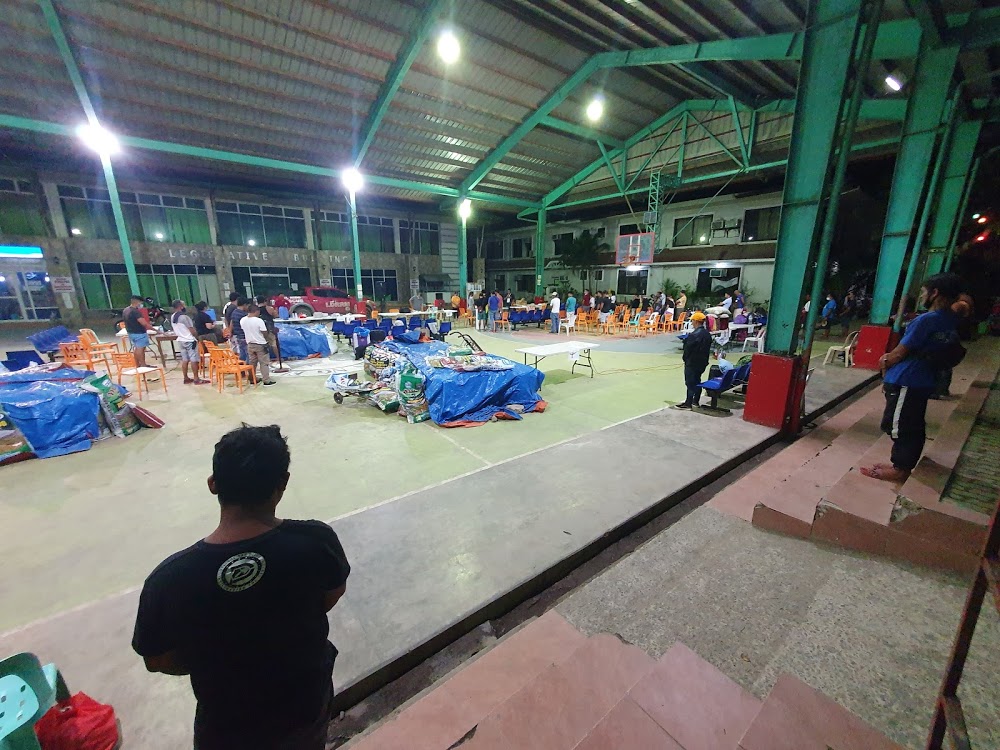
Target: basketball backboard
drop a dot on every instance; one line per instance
(633, 249)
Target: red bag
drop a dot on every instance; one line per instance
(78, 723)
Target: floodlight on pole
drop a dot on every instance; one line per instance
(595, 110)
(352, 180)
(99, 139)
(449, 49)
(465, 209)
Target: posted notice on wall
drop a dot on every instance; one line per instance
(61, 284)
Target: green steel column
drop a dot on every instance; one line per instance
(116, 208)
(953, 240)
(832, 31)
(540, 253)
(949, 199)
(918, 241)
(931, 85)
(463, 259)
(356, 246)
(870, 14)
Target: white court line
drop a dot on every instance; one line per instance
(70, 611)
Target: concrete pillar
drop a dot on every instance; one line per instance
(51, 192)
(540, 253)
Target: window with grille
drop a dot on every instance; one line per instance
(692, 230)
(761, 224)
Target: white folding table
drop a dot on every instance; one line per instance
(580, 348)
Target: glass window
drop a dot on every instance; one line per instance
(8, 185)
(561, 240)
(692, 230)
(252, 227)
(524, 282)
(632, 282)
(335, 236)
(145, 217)
(419, 238)
(716, 281)
(229, 228)
(21, 213)
(172, 202)
(628, 229)
(761, 224)
(494, 249)
(274, 231)
(521, 248)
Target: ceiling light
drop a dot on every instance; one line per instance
(352, 180)
(465, 209)
(99, 139)
(595, 110)
(2, 278)
(703, 238)
(981, 220)
(75, 232)
(893, 83)
(159, 235)
(749, 238)
(448, 47)
(633, 268)
(980, 238)
(252, 242)
(47, 279)
(720, 265)
(976, 216)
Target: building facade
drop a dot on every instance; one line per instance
(60, 256)
(703, 246)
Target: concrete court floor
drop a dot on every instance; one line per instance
(93, 528)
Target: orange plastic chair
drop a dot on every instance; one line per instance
(125, 363)
(78, 354)
(675, 325)
(664, 322)
(650, 324)
(230, 364)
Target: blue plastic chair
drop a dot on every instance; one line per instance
(415, 322)
(371, 325)
(283, 313)
(21, 358)
(445, 328)
(47, 341)
(27, 691)
(211, 313)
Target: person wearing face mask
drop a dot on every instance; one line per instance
(910, 372)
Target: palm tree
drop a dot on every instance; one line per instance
(583, 254)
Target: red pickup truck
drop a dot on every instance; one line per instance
(323, 299)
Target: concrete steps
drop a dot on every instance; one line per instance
(548, 687)
(826, 499)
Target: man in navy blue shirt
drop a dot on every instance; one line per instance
(910, 372)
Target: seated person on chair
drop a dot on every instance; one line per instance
(721, 366)
(204, 326)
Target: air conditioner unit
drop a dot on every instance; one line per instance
(649, 217)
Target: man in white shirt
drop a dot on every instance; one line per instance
(183, 326)
(727, 302)
(255, 331)
(554, 311)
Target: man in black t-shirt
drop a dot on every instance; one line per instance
(138, 329)
(267, 314)
(204, 326)
(243, 611)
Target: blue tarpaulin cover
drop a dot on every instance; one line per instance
(50, 410)
(462, 397)
(299, 340)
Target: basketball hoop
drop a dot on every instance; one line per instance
(634, 252)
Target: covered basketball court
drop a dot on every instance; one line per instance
(484, 112)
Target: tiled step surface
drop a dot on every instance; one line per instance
(548, 687)
(795, 716)
(455, 705)
(694, 702)
(907, 522)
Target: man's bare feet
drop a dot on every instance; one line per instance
(885, 472)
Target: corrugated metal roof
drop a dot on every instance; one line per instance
(295, 79)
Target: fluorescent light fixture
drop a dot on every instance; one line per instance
(99, 139)
(448, 47)
(75, 232)
(159, 235)
(465, 209)
(893, 83)
(720, 264)
(252, 242)
(352, 180)
(20, 251)
(750, 238)
(633, 267)
(703, 238)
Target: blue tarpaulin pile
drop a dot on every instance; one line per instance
(299, 340)
(460, 398)
(50, 410)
